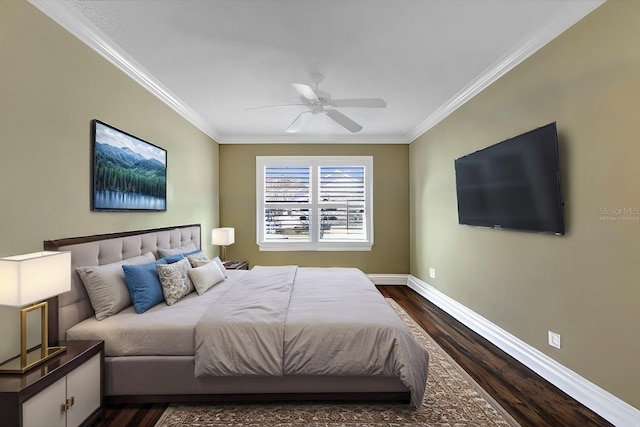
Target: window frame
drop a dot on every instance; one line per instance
(314, 243)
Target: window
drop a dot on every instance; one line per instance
(314, 203)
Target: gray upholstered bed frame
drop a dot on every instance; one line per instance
(171, 378)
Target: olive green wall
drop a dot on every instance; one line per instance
(51, 86)
(390, 252)
(583, 285)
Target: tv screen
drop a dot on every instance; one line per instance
(513, 185)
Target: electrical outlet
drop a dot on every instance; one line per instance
(432, 272)
(554, 339)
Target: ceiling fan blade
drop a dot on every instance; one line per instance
(271, 106)
(298, 122)
(306, 91)
(360, 103)
(344, 121)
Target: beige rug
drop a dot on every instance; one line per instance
(452, 399)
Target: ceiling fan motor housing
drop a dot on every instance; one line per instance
(317, 105)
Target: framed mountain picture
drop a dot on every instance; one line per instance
(127, 173)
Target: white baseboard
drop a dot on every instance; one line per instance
(389, 279)
(605, 404)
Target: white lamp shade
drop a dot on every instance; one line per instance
(26, 279)
(223, 236)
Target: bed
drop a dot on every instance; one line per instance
(269, 333)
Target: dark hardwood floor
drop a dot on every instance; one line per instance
(133, 415)
(531, 400)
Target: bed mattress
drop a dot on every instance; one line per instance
(164, 330)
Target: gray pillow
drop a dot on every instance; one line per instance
(106, 286)
(189, 247)
(175, 280)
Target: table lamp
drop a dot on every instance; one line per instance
(27, 281)
(223, 237)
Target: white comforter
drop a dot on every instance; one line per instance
(307, 321)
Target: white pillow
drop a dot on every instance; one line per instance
(106, 286)
(216, 260)
(220, 266)
(205, 276)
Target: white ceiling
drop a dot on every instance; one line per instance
(211, 60)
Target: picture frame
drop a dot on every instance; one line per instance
(128, 174)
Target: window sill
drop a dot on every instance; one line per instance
(332, 246)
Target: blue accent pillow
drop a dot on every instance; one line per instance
(170, 259)
(144, 285)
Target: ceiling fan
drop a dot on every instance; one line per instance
(321, 102)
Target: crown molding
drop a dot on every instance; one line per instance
(71, 20)
(313, 139)
(66, 16)
(74, 22)
(503, 66)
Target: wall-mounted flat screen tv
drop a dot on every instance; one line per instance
(513, 185)
(128, 173)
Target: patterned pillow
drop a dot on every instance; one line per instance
(175, 280)
(198, 256)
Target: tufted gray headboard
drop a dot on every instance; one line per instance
(74, 306)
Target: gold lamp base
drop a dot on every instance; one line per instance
(34, 358)
(29, 359)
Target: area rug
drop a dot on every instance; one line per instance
(452, 399)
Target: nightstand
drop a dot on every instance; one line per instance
(236, 265)
(64, 391)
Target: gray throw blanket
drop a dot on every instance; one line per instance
(308, 321)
